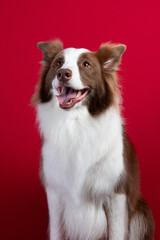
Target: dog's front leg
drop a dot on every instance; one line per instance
(55, 215)
(117, 215)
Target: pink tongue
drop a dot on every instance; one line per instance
(66, 95)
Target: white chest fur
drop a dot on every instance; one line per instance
(81, 154)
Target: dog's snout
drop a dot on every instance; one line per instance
(64, 75)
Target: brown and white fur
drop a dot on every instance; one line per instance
(89, 167)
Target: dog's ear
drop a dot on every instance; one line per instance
(50, 49)
(109, 55)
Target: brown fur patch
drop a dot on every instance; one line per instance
(129, 182)
(100, 96)
(102, 82)
(129, 185)
(143, 208)
(50, 49)
(49, 69)
(109, 55)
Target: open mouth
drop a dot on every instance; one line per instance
(68, 97)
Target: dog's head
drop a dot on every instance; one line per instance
(78, 77)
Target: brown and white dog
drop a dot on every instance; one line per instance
(90, 170)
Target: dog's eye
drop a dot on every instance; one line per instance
(86, 64)
(59, 62)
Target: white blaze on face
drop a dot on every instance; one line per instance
(71, 56)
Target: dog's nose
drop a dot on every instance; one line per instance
(64, 75)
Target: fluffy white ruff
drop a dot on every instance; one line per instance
(82, 157)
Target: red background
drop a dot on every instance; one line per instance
(80, 24)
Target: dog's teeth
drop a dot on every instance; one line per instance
(79, 93)
(70, 101)
(62, 89)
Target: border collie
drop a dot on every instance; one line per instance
(89, 167)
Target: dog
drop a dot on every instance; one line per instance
(89, 167)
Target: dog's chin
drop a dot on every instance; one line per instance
(68, 97)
